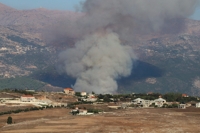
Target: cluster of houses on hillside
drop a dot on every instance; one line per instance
(36, 100)
(160, 102)
(41, 100)
(147, 103)
(84, 95)
(139, 102)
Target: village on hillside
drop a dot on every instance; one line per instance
(83, 103)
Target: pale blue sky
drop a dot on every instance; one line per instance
(49, 4)
(58, 5)
(196, 15)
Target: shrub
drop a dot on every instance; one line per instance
(26, 110)
(174, 105)
(95, 111)
(9, 120)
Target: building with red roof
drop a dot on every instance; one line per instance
(27, 98)
(69, 91)
(185, 95)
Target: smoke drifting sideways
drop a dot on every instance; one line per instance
(103, 37)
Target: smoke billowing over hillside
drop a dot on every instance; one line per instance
(104, 34)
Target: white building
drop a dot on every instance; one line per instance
(159, 102)
(197, 105)
(27, 98)
(82, 112)
(182, 106)
(146, 103)
(91, 95)
(138, 101)
(83, 93)
(92, 99)
(69, 91)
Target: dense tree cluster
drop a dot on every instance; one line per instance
(170, 97)
(177, 97)
(22, 110)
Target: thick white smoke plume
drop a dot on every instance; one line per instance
(103, 36)
(97, 61)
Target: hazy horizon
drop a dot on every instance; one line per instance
(72, 5)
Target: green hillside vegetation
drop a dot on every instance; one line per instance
(21, 83)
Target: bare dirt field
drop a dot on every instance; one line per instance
(120, 121)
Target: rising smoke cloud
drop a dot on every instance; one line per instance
(96, 61)
(103, 36)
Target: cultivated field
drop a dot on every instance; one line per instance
(120, 121)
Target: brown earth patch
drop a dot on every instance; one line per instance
(127, 121)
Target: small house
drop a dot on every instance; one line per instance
(83, 93)
(138, 101)
(82, 111)
(198, 105)
(90, 99)
(27, 98)
(142, 102)
(185, 95)
(159, 102)
(182, 106)
(69, 91)
(188, 105)
(146, 103)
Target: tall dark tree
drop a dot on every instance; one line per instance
(9, 120)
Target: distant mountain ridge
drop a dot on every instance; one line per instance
(166, 62)
(5, 8)
(31, 21)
